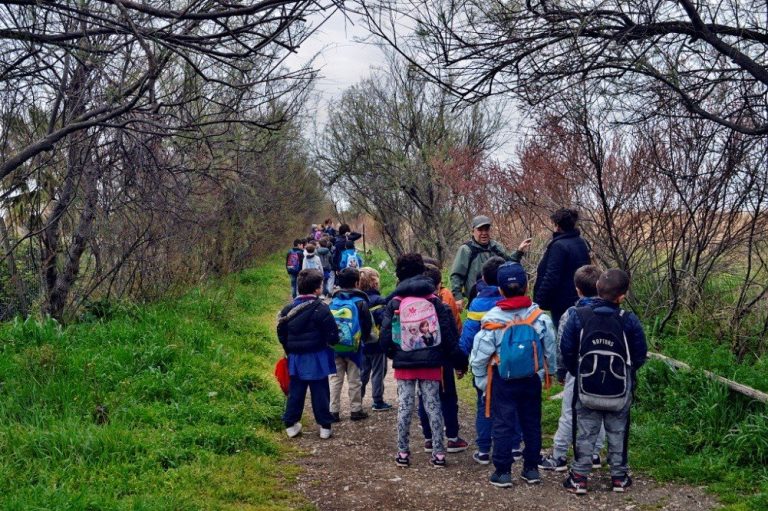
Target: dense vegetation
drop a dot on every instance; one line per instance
(168, 406)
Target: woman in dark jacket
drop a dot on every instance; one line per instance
(554, 289)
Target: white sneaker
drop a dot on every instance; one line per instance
(293, 430)
(325, 433)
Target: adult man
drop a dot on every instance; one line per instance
(469, 260)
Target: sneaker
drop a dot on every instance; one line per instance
(482, 458)
(325, 433)
(596, 462)
(575, 483)
(428, 445)
(530, 476)
(457, 444)
(501, 480)
(358, 416)
(621, 483)
(517, 454)
(556, 464)
(403, 459)
(438, 460)
(294, 430)
(381, 407)
(336, 417)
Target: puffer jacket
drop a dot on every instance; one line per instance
(435, 356)
(583, 302)
(306, 326)
(487, 342)
(554, 289)
(486, 299)
(570, 339)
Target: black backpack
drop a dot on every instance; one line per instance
(604, 370)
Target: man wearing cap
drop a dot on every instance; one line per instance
(469, 260)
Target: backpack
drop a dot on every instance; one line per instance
(475, 251)
(347, 317)
(415, 325)
(521, 352)
(602, 380)
(293, 262)
(350, 259)
(313, 263)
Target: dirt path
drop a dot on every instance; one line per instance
(355, 469)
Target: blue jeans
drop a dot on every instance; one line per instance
(510, 400)
(321, 401)
(449, 404)
(484, 427)
(294, 290)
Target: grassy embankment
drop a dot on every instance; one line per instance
(191, 411)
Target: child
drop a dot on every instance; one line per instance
(350, 258)
(345, 234)
(326, 258)
(293, 262)
(486, 297)
(350, 308)
(311, 259)
(419, 366)
(306, 329)
(509, 374)
(611, 342)
(449, 398)
(585, 280)
(374, 359)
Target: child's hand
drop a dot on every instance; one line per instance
(460, 374)
(525, 245)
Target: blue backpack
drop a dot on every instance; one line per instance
(347, 316)
(350, 259)
(521, 353)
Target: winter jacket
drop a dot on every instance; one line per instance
(487, 342)
(446, 297)
(554, 289)
(465, 273)
(435, 356)
(583, 302)
(486, 299)
(308, 328)
(311, 262)
(340, 245)
(364, 316)
(570, 339)
(325, 258)
(376, 304)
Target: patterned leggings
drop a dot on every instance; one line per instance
(430, 394)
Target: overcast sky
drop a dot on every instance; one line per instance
(343, 60)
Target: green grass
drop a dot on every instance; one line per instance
(193, 413)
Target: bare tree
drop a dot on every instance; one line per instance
(710, 57)
(392, 148)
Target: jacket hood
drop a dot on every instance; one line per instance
(604, 305)
(372, 293)
(499, 315)
(415, 286)
(514, 303)
(322, 250)
(307, 254)
(486, 291)
(348, 293)
(587, 301)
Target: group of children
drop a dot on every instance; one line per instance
(507, 341)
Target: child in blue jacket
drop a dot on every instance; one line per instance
(486, 297)
(605, 328)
